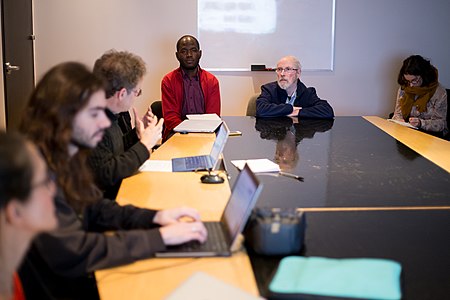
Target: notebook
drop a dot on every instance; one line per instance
(221, 235)
(198, 126)
(203, 162)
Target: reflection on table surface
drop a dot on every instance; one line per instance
(345, 163)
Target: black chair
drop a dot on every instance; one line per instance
(156, 107)
(251, 106)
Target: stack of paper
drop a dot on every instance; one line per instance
(204, 117)
(199, 123)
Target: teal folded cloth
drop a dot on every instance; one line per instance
(363, 278)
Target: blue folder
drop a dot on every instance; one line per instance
(362, 278)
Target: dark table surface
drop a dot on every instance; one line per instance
(418, 239)
(384, 199)
(347, 162)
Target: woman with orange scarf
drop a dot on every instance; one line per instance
(421, 100)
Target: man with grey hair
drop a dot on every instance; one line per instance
(288, 96)
(123, 149)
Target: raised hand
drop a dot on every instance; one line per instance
(149, 135)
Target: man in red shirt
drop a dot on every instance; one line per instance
(188, 89)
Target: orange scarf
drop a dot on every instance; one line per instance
(423, 93)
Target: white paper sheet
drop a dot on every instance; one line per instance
(156, 166)
(257, 165)
(402, 123)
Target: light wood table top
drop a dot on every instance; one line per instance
(434, 149)
(156, 278)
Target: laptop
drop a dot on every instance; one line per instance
(198, 126)
(203, 162)
(221, 235)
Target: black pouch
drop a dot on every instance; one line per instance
(275, 231)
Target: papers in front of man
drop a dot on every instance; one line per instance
(204, 117)
(156, 166)
(204, 286)
(199, 123)
(406, 124)
(262, 165)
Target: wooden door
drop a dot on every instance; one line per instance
(18, 57)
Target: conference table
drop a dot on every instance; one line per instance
(370, 188)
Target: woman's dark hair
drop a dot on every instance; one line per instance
(16, 168)
(48, 121)
(418, 66)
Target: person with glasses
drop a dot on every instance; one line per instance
(288, 96)
(26, 207)
(123, 149)
(65, 118)
(421, 99)
(188, 89)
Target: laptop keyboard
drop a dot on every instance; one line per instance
(196, 162)
(216, 242)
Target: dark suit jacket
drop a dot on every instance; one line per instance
(272, 102)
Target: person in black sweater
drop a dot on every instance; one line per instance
(123, 149)
(65, 117)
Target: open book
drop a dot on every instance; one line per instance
(406, 124)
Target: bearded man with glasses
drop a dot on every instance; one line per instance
(288, 96)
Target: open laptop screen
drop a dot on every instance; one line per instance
(243, 197)
(219, 143)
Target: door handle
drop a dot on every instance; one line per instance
(9, 68)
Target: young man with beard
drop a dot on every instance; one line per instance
(65, 117)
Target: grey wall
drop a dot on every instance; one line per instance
(372, 38)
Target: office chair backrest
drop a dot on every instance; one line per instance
(251, 106)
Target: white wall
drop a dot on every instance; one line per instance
(372, 39)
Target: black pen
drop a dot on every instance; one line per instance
(299, 178)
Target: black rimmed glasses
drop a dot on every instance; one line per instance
(414, 80)
(280, 70)
(137, 92)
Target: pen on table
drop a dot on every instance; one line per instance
(299, 178)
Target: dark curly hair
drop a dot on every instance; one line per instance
(418, 66)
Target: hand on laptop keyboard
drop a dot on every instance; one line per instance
(181, 232)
